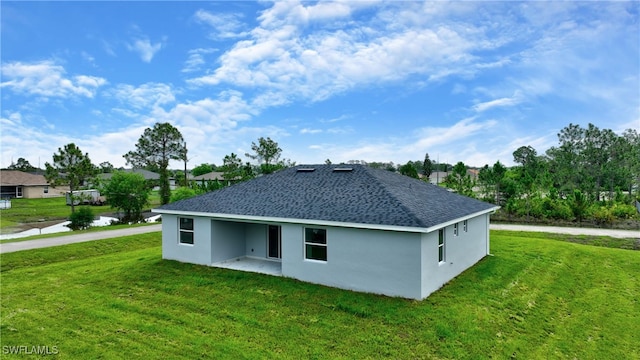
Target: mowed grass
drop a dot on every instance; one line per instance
(24, 211)
(535, 299)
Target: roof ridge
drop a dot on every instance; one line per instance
(371, 172)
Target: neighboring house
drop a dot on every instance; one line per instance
(148, 175)
(19, 184)
(351, 227)
(214, 175)
(437, 177)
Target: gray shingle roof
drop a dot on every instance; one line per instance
(20, 178)
(363, 196)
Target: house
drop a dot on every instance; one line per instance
(351, 227)
(210, 176)
(438, 177)
(19, 184)
(150, 176)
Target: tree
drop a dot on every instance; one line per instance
(267, 152)
(566, 159)
(127, 192)
(155, 148)
(70, 167)
(491, 180)
(579, 204)
(529, 172)
(22, 165)
(409, 170)
(629, 159)
(106, 167)
(232, 167)
(201, 169)
(459, 180)
(427, 166)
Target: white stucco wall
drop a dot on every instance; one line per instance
(461, 252)
(198, 253)
(256, 240)
(382, 262)
(228, 240)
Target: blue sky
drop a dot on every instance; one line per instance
(346, 80)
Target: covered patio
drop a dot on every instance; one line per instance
(251, 264)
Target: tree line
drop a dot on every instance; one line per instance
(155, 149)
(591, 173)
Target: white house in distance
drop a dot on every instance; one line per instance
(346, 226)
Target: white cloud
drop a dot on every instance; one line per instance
(143, 96)
(224, 25)
(502, 102)
(196, 59)
(292, 65)
(462, 141)
(310, 131)
(46, 78)
(144, 48)
(88, 58)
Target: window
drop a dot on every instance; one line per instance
(464, 226)
(186, 231)
(46, 189)
(455, 229)
(441, 245)
(315, 244)
(19, 191)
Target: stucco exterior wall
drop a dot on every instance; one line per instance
(382, 262)
(461, 252)
(256, 240)
(33, 192)
(228, 240)
(198, 253)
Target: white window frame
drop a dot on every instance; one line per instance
(465, 226)
(186, 231)
(442, 239)
(455, 229)
(315, 244)
(46, 189)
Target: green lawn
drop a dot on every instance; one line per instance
(76, 232)
(37, 210)
(48, 209)
(535, 298)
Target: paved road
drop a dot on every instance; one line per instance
(632, 234)
(71, 239)
(107, 234)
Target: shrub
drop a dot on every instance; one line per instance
(81, 219)
(603, 215)
(561, 211)
(623, 211)
(183, 193)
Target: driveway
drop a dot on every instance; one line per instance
(72, 239)
(623, 234)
